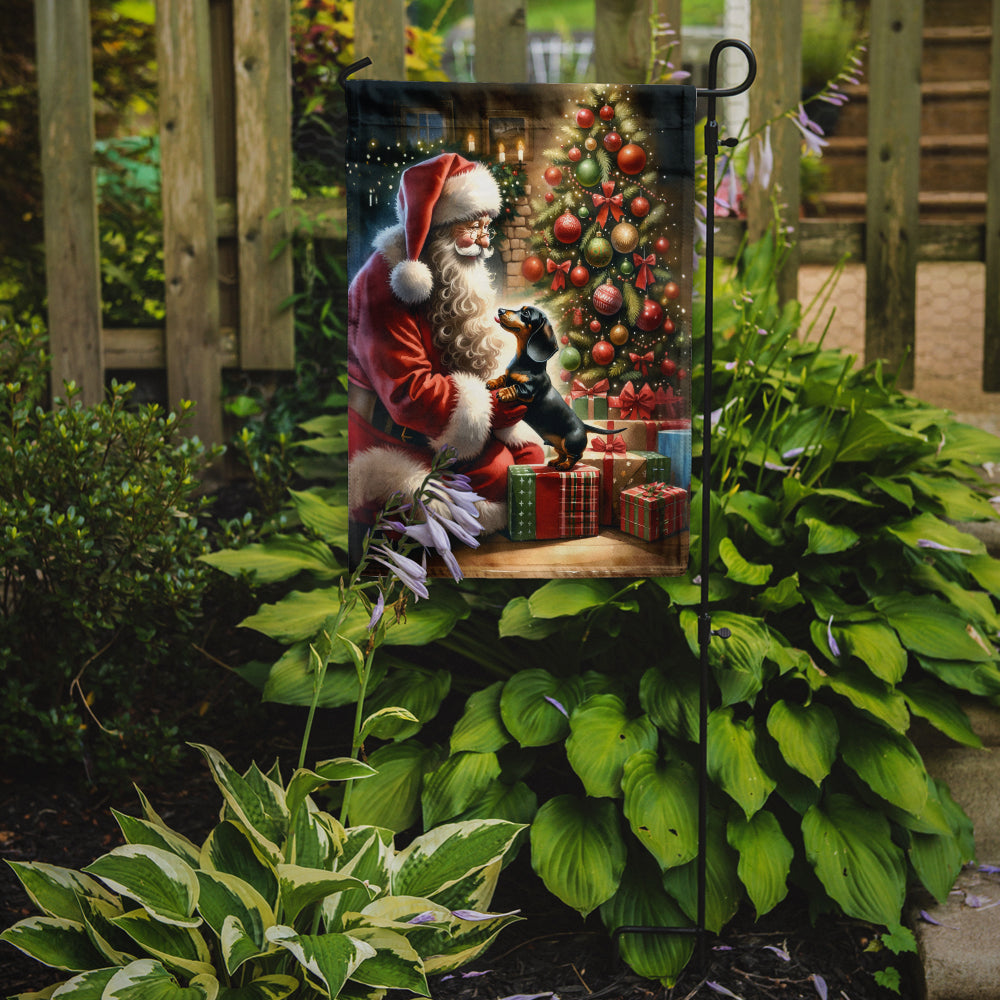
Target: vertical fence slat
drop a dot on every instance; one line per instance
(893, 183)
(776, 36)
(621, 40)
(72, 256)
(190, 252)
(501, 41)
(261, 59)
(380, 34)
(991, 332)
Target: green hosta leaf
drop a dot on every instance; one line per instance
(783, 595)
(937, 859)
(291, 680)
(481, 728)
(876, 646)
(516, 803)
(417, 690)
(985, 569)
(54, 941)
(159, 881)
(957, 501)
(226, 898)
(391, 798)
(327, 520)
(975, 605)
(56, 891)
(180, 948)
(304, 782)
(330, 959)
(456, 784)
(723, 889)
(828, 539)
(230, 849)
(578, 851)
(738, 569)
(438, 859)
(279, 558)
(141, 831)
(388, 723)
(602, 738)
(864, 691)
(765, 858)
(941, 709)
(517, 620)
(641, 901)
(870, 436)
(732, 760)
(807, 736)
(661, 798)
(758, 511)
(976, 678)
(894, 489)
(301, 887)
(147, 979)
(850, 848)
(671, 699)
(928, 528)
(965, 443)
(275, 987)
(562, 598)
(888, 763)
(395, 964)
(931, 628)
(738, 661)
(684, 593)
(530, 706)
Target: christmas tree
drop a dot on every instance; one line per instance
(606, 243)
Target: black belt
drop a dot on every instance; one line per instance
(381, 421)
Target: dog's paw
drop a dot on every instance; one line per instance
(507, 392)
(495, 383)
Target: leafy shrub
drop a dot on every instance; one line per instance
(279, 899)
(99, 546)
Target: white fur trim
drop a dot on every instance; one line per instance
(492, 515)
(519, 434)
(466, 195)
(469, 423)
(412, 282)
(391, 243)
(376, 473)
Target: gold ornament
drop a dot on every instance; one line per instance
(619, 334)
(624, 237)
(590, 142)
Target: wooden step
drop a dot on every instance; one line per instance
(956, 53)
(940, 13)
(944, 104)
(957, 206)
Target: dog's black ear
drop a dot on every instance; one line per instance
(541, 344)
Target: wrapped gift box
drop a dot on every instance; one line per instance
(639, 435)
(589, 402)
(543, 502)
(620, 469)
(667, 405)
(654, 510)
(676, 444)
(632, 403)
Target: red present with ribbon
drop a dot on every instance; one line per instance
(619, 468)
(654, 510)
(590, 402)
(668, 405)
(632, 403)
(640, 435)
(543, 502)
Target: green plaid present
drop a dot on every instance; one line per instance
(654, 510)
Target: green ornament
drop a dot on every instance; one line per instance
(570, 359)
(583, 212)
(588, 172)
(626, 267)
(599, 252)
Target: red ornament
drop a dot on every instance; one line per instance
(553, 176)
(585, 117)
(549, 197)
(595, 326)
(671, 290)
(667, 366)
(639, 206)
(579, 275)
(682, 374)
(577, 317)
(631, 159)
(566, 376)
(574, 154)
(607, 299)
(532, 268)
(564, 339)
(668, 325)
(612, 142)
(603, 353)
(567, 228)
(650, 316)
(607, 113)
(662, 244)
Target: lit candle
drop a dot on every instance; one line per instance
(503, 155)
(472, 143)
(520, 151)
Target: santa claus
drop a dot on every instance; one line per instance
(422, 344)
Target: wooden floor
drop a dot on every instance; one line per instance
(612, 553)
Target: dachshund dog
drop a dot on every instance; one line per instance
(527, 381)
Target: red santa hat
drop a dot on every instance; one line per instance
(447, 188)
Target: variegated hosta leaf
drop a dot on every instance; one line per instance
(224, 898)
(850, 847)
(56, 891)
(395, 964)
(888, 763)
(177, 947)
(87, 986)
(328, 959)
(441, 857)
(366, 855)
(578, 851)
(141, 831)
(661, 799)
(456, 784)
(158, 880)
(732, 760)
(535, 706)
(765, 858)
(147, 979)
(481, 727)
(54, 941)
(230, 849)
(642, 902)
(301, 887)
(275, 987)
(475, 891)
(602, 737)
(468, 939)
(807, 736)
(304, 782)
(315, 838)
(116, 946)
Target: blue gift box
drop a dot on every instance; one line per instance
(676, 445)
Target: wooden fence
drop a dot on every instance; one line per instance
(226, 161)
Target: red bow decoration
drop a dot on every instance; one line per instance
(613, 445)
(606, 201)
(561, 270)
(642, 362)
(645, 265)
(599, 388)
(635, 405)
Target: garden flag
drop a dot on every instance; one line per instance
(521, 264)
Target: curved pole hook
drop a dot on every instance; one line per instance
(712, 91)
(353, 68)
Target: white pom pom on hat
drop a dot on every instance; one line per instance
(447, 188)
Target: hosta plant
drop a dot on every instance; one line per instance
(279, 900)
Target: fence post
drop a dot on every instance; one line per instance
(262, 62)
(501, 41)
(991, 332)
(893, 208)
(621, 40)
(72, 254)
(776, 35)
(190, 250)
(380, 34)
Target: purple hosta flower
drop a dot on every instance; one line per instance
(728, 195)
(531, 996)
(820, 983)
(812, 134)
(928, 543)
(719, 988)
(431, 534)
(465, 975)
(412, 575)
(559, 705)
(990, 869)
(475, 915)
(780, 952)
(377, 612)
(927, 918)
(760, 165)
(427, 917)
(834, 648)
